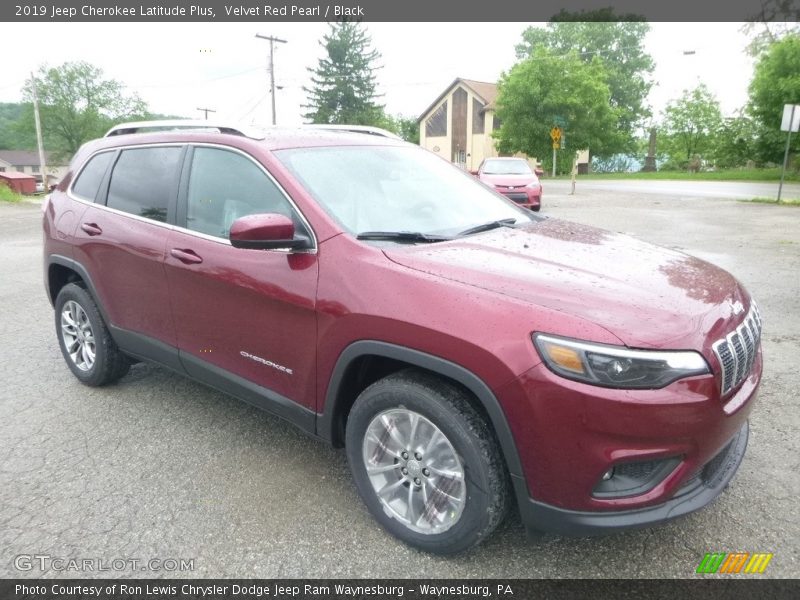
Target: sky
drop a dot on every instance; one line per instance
(178, 68)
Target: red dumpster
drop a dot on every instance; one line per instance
(19, 182)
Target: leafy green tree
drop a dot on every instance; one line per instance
(777, 19)
(344, 82)
(77, 104)
(616, 41)
(11, 135)
(734, 143)
(545, 87)
(776, 82)
(690, 123)
(408, 128)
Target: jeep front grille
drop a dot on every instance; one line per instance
(737, 351)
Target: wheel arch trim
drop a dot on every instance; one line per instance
(58, 259)
(326, 421)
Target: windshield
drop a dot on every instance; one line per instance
(396, 189)
(506, 167)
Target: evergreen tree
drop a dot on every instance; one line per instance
(343, 90)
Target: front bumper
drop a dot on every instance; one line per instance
(525, 198)
(698, 492)
(569, 435)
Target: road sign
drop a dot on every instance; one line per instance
(791, 118)
(556, 145)
(790, 123)
(555, 135)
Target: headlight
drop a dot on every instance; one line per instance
(534, 184)
(617, 366)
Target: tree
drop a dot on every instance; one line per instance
(735, 142)
(545, 87)
(690, 123)
(616, 41)
(11, 137)
(77, 104)
(344, 82)
(776, 81)
(408, 128)
(777, 19)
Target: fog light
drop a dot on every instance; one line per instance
(634, 478)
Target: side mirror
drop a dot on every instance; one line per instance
(266, 232)
(474, 173)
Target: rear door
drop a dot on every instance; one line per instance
(121, 241)
(247, 316)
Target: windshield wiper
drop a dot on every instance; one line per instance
(488, 226)
(402, 236)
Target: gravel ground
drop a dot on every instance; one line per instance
(158, 467)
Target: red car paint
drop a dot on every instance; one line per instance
(525, 189)
(474, 302)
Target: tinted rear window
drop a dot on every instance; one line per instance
(144, 180)
(92, 175)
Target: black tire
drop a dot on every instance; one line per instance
(109, 364)
(446, 406)
(536, 208)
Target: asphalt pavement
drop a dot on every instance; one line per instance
(742, 190)
(158, 467)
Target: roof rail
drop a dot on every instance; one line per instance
(368, 129)
(185, 125)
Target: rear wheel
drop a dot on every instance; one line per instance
(87, 346)
(426, 463)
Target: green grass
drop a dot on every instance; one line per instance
(722, 175)
(783, 202)
(6, 195)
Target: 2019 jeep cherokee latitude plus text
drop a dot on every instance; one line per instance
(461, 349)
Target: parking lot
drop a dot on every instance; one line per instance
(158, 467)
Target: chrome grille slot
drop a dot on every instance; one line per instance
(737, 351)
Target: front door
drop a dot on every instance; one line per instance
(245, 313)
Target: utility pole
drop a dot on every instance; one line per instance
(42, 166)
(272, 41)
(206, 110)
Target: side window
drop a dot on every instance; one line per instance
(224, 186)
(143, 180)
(91, 176)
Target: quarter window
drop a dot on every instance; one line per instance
(92, 175)
(143, 181)
(224, 186)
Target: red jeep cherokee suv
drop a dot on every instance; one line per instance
(466, 352)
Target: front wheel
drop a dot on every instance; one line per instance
(426, 463)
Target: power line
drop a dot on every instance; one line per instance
(206, 111)
(195, 82)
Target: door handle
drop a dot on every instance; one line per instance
(187, 257)
(91, 228)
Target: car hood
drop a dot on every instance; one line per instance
(506, 180)
(646, 295)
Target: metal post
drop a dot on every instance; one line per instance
(554, 160)
(42, 166)
(574, 173)
(272, 41)
(206, 111)
(786, 153)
